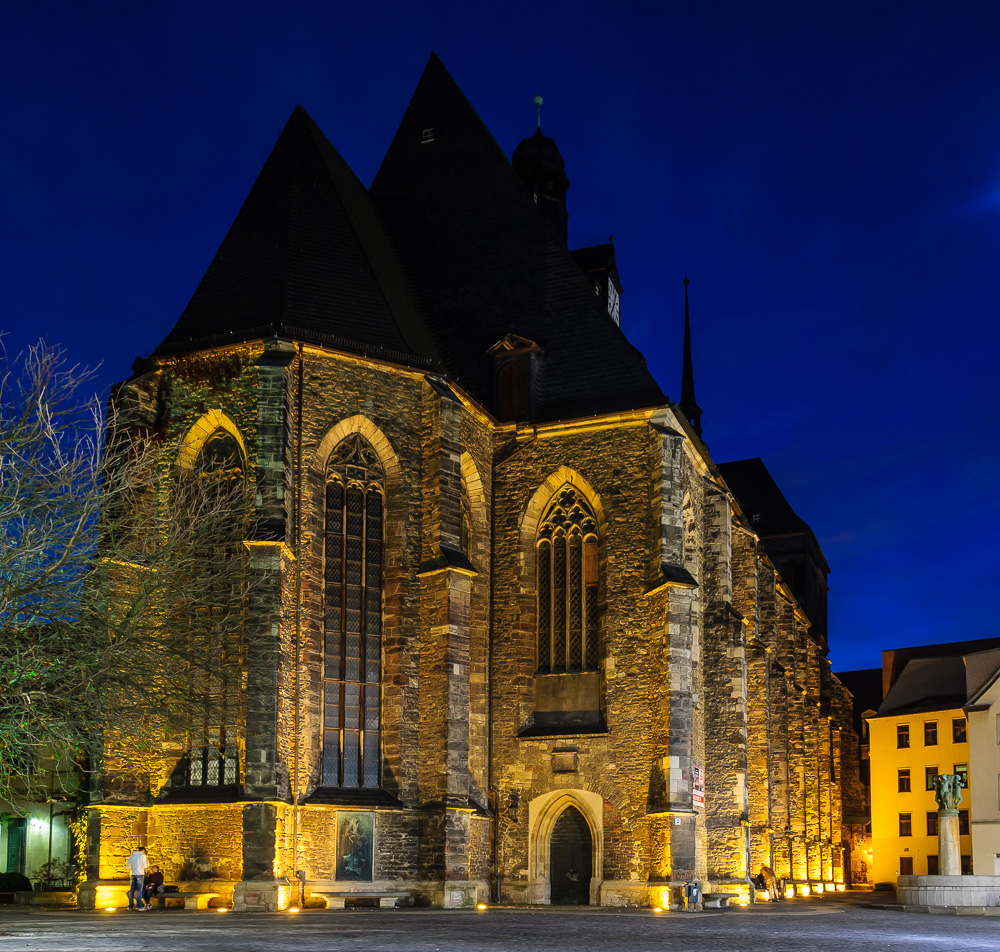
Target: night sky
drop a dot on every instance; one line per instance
(826, 174)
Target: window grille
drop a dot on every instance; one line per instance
(567, 566)
(352, 677)
(213, 752)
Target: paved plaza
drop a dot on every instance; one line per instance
(795, 926)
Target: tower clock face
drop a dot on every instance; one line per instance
(613, 305)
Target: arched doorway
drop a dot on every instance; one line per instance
(571, 852)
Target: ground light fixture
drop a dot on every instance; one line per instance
(293, 908)
(222, 909)
(482, 906)
(110, 909)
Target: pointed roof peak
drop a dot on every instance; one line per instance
(486, 264)
(306, 259)
(689, 405)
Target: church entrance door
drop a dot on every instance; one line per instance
(570, 860)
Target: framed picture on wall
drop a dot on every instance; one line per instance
(355, 846)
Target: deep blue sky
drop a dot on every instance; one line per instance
(827, 175)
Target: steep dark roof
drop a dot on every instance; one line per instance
(306, 259)
(865, 686)
(760, 498)
(486, 265)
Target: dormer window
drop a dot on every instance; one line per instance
(513, 361)
(427, 136)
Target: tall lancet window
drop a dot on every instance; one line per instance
(352, 676)
(214, 656)
(567, 563)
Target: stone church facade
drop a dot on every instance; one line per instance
(511, 634)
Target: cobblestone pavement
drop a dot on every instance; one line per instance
(822, 925)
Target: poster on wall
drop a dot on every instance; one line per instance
(355, 846)
(698, 787)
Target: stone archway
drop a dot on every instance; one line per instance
(581, 813)
(571, 860)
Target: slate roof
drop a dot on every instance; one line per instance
(456, 258)
(759, 496)
(927, 684)
(485, 264)
(306, 259)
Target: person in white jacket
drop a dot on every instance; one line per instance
(137, 864)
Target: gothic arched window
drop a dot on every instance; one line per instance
(352, 677)
(567, 566)
(214, 657)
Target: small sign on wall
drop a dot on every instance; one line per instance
(355, 846)
(698, 786)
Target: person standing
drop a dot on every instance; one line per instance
(137, 864)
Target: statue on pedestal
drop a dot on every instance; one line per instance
(948, 793)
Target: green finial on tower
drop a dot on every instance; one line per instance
(538, 107)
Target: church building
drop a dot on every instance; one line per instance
(511, 634)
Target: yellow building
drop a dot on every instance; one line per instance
(920, 731)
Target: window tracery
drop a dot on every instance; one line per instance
(567, 571)
(355, 495)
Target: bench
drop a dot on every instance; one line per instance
(191, 900)
(337, 899)
(716, 900)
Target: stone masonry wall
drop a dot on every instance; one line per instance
(622, 764)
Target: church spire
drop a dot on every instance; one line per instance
(689, 406)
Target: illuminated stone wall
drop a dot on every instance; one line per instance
(706, 660)
(650, 662)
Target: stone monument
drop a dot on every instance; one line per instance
(949, 890)
(948, 793)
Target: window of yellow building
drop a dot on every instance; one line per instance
(903, 781)
(903, 734)
(962, 770)
(959, 730)
(932, 823)
(905, 865)
(963, 822)
(932, 865)
(905, 828)
(929, 774)
(930, 734)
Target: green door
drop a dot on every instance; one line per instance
(17, 835)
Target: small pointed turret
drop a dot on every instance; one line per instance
(688, 404)
(540, 165)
